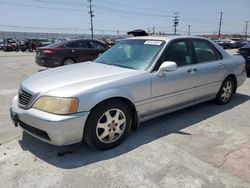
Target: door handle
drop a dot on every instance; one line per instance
(192, 71)
(222, 66)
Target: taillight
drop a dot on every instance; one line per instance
(242, 68)
(48, 51)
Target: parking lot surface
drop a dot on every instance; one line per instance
(202, 146)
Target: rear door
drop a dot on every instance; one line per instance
(71, 50)
(95, 48)
(210, 67)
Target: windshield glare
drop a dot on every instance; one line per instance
(135, 54)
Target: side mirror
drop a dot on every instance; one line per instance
(167, 66)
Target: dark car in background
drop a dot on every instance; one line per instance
(1, 44)
(10, 45)
(236, 43)
(225, 44)
(69, 52)
(245, 52)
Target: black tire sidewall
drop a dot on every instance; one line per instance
(67, 59)
(90, 136)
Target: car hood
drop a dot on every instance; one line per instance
(84, 75)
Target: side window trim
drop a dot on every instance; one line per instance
(217, 53)
(189, 48)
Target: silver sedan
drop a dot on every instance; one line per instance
(137, 79)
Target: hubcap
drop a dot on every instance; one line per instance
(226, 91)
(111, 126)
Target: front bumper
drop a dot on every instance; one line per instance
(54, 129)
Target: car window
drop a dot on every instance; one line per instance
(78, 44)
(205, 52)
(83, 44)
(178, 52)
(97, 45)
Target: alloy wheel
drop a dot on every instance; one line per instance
(111, 126)
(226, 91)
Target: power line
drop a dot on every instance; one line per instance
(128, 12)
(40, 7)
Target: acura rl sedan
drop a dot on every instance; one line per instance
(137, 79)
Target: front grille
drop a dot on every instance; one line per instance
(36, 131)
(24, 97)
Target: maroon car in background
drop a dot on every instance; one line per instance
(245, 52)
(69, 52)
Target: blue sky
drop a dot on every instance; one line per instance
(71, 16)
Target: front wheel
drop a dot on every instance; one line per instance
(226, 91)
(108, 125)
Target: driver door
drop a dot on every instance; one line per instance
(175, 88)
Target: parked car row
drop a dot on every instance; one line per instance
(31, 45)
(231, 43)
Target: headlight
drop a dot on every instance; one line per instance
(57, 105)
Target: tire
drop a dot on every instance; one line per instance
(107, 125)
(23, 49)
(31, 49)
(226, 91)
(68, 61)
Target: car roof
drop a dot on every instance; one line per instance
(166, 38)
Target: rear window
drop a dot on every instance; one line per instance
(205, 51)
(53, 45)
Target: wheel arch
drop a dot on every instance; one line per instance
(128, 102)
(68, 57)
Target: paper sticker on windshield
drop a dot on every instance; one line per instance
(153, 42)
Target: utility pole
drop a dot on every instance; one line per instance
(246, 29)
(189, 29)
(220, 25)
(153, 30)
(3, 35)
(149, 30)
(91, 17)
(176, 21)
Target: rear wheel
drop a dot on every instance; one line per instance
(108, 125)
(68, 61)
(31, 49)
(226, 91)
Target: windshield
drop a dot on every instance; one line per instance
(135, 54)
